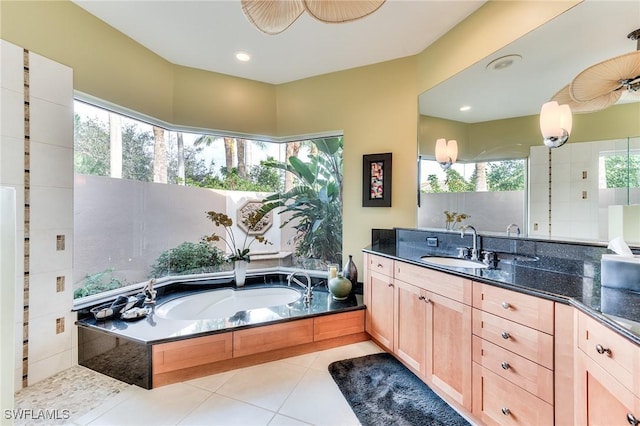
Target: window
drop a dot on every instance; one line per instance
(488, 195)
(142, 191)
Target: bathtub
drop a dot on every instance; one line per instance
(225, 303)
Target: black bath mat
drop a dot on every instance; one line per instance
(382, 391)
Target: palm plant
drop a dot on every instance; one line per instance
(314, 202)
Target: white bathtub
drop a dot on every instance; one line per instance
(225, 303)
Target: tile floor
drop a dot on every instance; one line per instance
(292, 391)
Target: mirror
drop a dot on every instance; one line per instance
(505, 92)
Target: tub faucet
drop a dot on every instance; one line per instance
(308, 293)
(512, 226)
(474, 234)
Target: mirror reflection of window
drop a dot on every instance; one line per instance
(489, 195)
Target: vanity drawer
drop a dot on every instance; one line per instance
(496, 401)
(619, 357)
(530, 376)
(522, 308)
(382, 265)
(525, 341)
(451, 286)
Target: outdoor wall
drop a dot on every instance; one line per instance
(125, 224)
(489, 211)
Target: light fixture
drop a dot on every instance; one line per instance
(275, 16)
(503, 62)
(446, 152)
(243, 56)
(555, 124)
(465, 108)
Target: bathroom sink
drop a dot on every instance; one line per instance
(454, 262)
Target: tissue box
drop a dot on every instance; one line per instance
(620, 272)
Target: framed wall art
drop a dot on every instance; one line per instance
(376, 180)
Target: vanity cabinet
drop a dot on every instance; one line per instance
(379, 299)
(513, 357)
(607, 376)
(433, 328)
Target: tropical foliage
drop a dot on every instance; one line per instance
(622, 171)
(314, 204)
(491, 176)
(188, 258)
(98, 282)
(238, 251)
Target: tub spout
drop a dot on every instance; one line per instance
(308, 293)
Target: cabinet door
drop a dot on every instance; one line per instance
(448, 363)
(411, 313)
(601, 399)
(381, 295)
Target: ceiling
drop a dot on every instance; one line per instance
(552, 55)
(206, 34)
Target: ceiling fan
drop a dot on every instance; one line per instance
(603, 84)
(274, 16)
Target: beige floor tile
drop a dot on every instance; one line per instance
(213, 382)
(280, 420)
(107, 405)
(162, 406)
(266, 385)
(220, 410)
(355, 350)
(317, 400)
(302, 360)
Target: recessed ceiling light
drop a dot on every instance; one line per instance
(465, 108)
(243, 56)
(503, 62)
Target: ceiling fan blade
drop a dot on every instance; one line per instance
(336, 11)
(272, 16)
(563, 97)
(604, 77)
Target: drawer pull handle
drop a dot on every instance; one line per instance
(379, 265)
(506, 411)
(421, 298)
(632, 419)
(505, 365)
(390, 285)
(602, 350)
(505, 305)
(505, 335)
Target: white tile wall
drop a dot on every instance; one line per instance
(50, 81)
(51, 123)
(12, 161)
(44, 342)
(12, 113)
(51, 208)
(49, 299)
(51, 165)
(11, 75)
(47, 367)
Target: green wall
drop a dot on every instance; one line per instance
(375, 106)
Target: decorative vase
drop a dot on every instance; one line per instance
(340, 287)
(350, 271)
(240, 271)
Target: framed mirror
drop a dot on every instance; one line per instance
(504, 93)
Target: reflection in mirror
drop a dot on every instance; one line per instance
(595, 191)
(490, 195)
(503, 123)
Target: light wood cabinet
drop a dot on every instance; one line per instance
(607, 370)
(513, 357)
(271, 337)
(411, 325)
(381, 303)
(448, 363)
(433, 328)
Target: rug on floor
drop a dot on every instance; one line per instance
(382, 391)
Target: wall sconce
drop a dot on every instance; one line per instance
(555, 124)
(446, 153)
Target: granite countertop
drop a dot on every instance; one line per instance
(153, 329)
(616, 308)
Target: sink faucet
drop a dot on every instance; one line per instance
(308, 293)
(512, 226)
(474, 249)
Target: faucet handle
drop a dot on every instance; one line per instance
(463, 252)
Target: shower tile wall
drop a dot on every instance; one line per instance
(37, 160)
